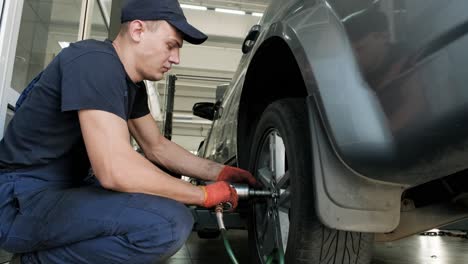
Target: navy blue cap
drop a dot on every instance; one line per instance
(168, 10)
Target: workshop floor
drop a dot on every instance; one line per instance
(413, 250)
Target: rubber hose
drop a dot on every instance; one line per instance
(281, 256)
(228, 247)
(269, 259)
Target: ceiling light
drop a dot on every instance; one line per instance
(64, 44)
(194, 7)
(230, 11)
(257, 14)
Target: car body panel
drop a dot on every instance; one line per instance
(359, 115)
(387, 106)
(354, 119)
(221, 144)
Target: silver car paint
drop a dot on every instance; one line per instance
(370, 143)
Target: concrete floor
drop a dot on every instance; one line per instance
(413, 250)
(212, 251)
(422, 250)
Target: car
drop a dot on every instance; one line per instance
(354, 112)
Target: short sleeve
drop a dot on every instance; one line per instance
(140, 105)
(96, 81)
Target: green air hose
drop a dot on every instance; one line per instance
(272, 257)
(281, 256)
(269, 259)
(219, 217)
(228, 247)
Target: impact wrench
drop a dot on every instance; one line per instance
(245, 192)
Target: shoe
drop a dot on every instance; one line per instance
(16, 259)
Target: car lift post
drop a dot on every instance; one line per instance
(170, 88)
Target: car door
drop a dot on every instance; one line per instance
(222, 141)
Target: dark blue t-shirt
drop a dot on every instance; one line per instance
(86, 75)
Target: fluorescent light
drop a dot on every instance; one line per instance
(64, 44)
(230, 11)
(196, 7)
(257, 14)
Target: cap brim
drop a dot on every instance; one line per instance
(190, 33)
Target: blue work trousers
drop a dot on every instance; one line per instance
(55, 221)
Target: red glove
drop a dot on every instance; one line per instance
(219, 192)
(232, 174)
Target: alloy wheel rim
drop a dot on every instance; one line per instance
(272, 215)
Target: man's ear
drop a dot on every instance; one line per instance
(136, 29)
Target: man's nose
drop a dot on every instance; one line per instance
(174, 58)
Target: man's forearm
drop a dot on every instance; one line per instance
(134, 174)
(179, 160)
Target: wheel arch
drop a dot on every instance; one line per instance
(273, 74)
(313, 36)
(281, 67)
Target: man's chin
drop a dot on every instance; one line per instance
(155, 78)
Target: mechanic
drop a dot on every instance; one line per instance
(80, 115)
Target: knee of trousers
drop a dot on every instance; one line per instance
(163, 236)
(182, 227)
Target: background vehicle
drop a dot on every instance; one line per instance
(354, 112)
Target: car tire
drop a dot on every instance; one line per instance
(289, 221)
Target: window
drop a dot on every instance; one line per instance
(46, 25)
(100, 19)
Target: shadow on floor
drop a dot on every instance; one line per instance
(212, 251)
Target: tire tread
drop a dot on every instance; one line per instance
(314, 243)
